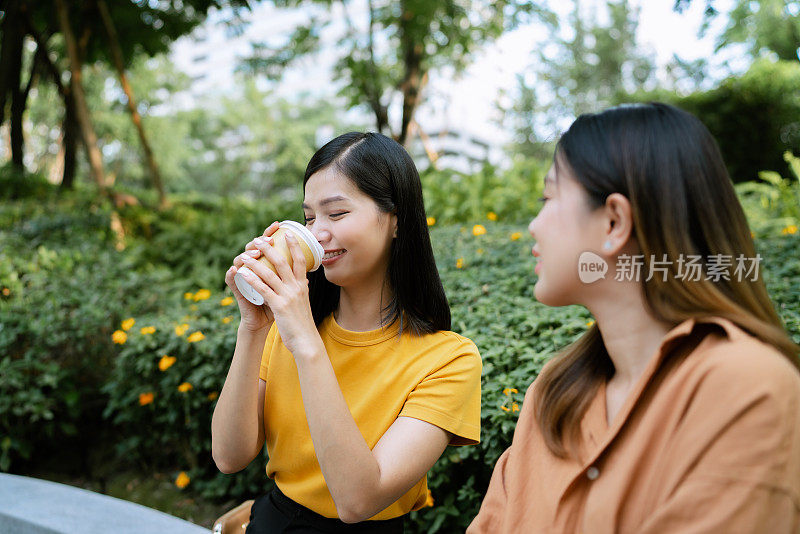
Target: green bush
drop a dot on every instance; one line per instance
(62, 283)
(15, 184)
(506, 196)
(65, 291)
(773, 203)
(755, 117)
(163, 388)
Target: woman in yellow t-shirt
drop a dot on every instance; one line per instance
(349, 374)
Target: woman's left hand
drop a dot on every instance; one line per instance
(286, 294)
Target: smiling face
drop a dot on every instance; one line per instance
(564, 228)
(355, 234)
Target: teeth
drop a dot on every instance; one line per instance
(329, 255)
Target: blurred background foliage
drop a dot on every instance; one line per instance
(115, 331)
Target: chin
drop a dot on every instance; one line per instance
(548, 297)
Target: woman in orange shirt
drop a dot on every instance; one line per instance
(679, 409)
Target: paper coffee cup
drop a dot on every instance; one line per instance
(311, 248)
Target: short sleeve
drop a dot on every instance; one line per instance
(268, 347)
(450, 396)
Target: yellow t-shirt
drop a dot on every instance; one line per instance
(435, 378)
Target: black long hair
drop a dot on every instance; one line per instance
(383, 170)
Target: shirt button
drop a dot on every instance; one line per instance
(592, 473)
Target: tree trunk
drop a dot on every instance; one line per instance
(413, 79)
(17, 134)
(11, 73)
(19, 103)
(69, 141)
(70, 135)
(81, 108)
(374, 85)
(116, 55)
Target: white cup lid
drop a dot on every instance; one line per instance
(305, 234)
(246, 289)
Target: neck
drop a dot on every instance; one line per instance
(360, 307)
(630, 333)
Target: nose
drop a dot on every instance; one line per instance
(320, 231)
(532, 227)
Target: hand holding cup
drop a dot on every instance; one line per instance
(254, 316)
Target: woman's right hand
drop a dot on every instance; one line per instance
(254, 317)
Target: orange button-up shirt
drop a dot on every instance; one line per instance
(708, 440)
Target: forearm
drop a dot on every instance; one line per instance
(351, 471)
(235, 435)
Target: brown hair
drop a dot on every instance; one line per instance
(665, 161)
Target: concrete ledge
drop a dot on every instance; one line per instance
(33, 506)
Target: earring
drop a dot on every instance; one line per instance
(607, 245)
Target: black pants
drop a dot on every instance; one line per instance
(275, 513)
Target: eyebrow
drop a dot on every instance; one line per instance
(329, 200)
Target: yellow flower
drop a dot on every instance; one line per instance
(6, 292)
(509, 391)
(201, 294)
(226, 320)
(146, 398)
(590, 324)
(147, 330)
(195, 336)
(515, 407)
(459, 263)
(515, 236)
(428, 500)
(505, 408)
(183, 480)
(188, 296)
(478, 229)
(227, 301)
(791, 229)
(166, 362)
(186, 386)
(181, 329)
(119, 337)
(213, 396)
(492, 216)
(480, 251)
(431, 221)
(127, 324)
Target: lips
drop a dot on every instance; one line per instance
(332, 256)
(333, 253)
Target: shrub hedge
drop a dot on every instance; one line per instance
(132, 346)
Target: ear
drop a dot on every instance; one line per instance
(618, 223)
(393, 222)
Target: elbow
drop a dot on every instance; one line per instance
(225, 465)
(360, 509)
(351, 515)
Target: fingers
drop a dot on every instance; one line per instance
(276, 258)
(231, 283)
(298, 258)
(256, 282)
(252, 253)
(261, 271)
(271, 229)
